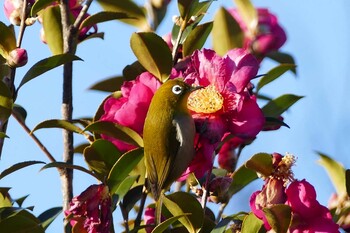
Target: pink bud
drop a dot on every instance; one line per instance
(218, 189)
(17, 57)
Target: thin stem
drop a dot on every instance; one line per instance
(82, 13)
(126, 218)
(177, 42)
(206, 186)
(142, 206)
(23, 24)
(36, 140)
(221, 211)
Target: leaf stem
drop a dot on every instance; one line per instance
(206, 185)
(177, 42)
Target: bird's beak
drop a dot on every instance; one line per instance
(195, 88)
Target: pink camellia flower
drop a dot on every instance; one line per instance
(308, 214)
(17, 57)
(224, 105)
(13, 10)
(227, 157)
(269, 35)
(91, 210)
(130, 110)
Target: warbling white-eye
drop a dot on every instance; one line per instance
(168, 136)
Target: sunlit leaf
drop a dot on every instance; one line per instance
(281, 57)
(46, 65)
(123, 167)
(180, 203)
(18, 166)
(227, 33)
(274, 74)
(196, 38)
(109, 85)
(68, 166)
(52, 26)
(6, 102)
(7, 40)
(131, 197)
(241, 178)
(160, 228)
(48, 216)
(102, 16)
(261, 163)
(277, 106)
(279, 217)
(39, 5)
(3, 135)
(5, 199)
(251, 224)
(153, 53)
(335, 171)
(62, 124)
(249, 14)
(117, 131)
(124, 187)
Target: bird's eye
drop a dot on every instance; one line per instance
(177, 89)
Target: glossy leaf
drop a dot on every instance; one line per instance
(18, 166)
(68, 166)
(227, 33)
(131, 197)
(274, 74)
(124, 187)
(46, 65)
(261, 163)
(164, 225)
(62, 124)
(123, 167)
(281, 57)
(102, 16)
(109, 85)
(347, 180)
(335, 171)
(279, 217)
(180, 203)
(117, 131)
(277, 106)
(136, 13)
(7, 40)
(51, 18)
(196, 38)
(241, 178)
(249, 14)
(6, 102)
(39, 5)
(251, 224)
(100, 156)
(20, 112)
(153, 53)
(21, 222)
(48, 216)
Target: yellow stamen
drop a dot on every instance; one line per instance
(205, 100)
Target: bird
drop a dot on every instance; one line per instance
(168, 136)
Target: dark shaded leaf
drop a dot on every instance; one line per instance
(99, 35)
(109, 85)
(17, 167)
(62, 124)
(21, 222)
(102, 16)
(46, 65)
(7, 40)
(80, 148)
(251, 224)
(164, 225)
(277, 106)
(274, 74)
(130, 72)
(131, 197)
(271, 122)
(180, 203)
(68, 166)
(261, 163)
(241, 178)
(51, 18)
(6, 102)
(185, 7)
(39, 5)
(227, 33)
(282, 58)
(222, 225)
(196, 38)
(279, 217)
(48, 216)
(117, 131)
(122, 168)
(153, 53)
(20, 112)
(347, 180)
(20, 200)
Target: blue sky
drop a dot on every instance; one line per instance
(318, 35)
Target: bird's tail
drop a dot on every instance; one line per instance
(159, 204)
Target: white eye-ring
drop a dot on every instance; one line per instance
(177, 89)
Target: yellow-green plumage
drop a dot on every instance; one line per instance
(168, 135)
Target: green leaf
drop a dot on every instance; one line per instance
(180, 203)
(6, 102)
(68, 166)
(241, 178)
(249, 15)
(131, 197)
(130, 72)
(3, 135)
(153, 53)
(274, 74)
(17, 167)
(109, 85)
(51, 18)
(100, 156)
(136, 13)
(7, 40)
(271, 122)
(121, 169)
(117, 131)
(347, 180)
(20, 200)
(279, 217)
(5, 199)
(46, 65)
(196, 38)
(20, 112)
(282, 58)
(261, 163)
(164, 225)
(185, 7)
(39, 5)
(222, 225)
(277, 106)
(62, 124)
(48, 216)
(251, 224)
(124, 187)
(79, 149)
(21, 222)
(335, 171)
(102, 16)
(227, 33)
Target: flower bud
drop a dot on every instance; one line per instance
(17, 58)
(218, 188)
(13, 10)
